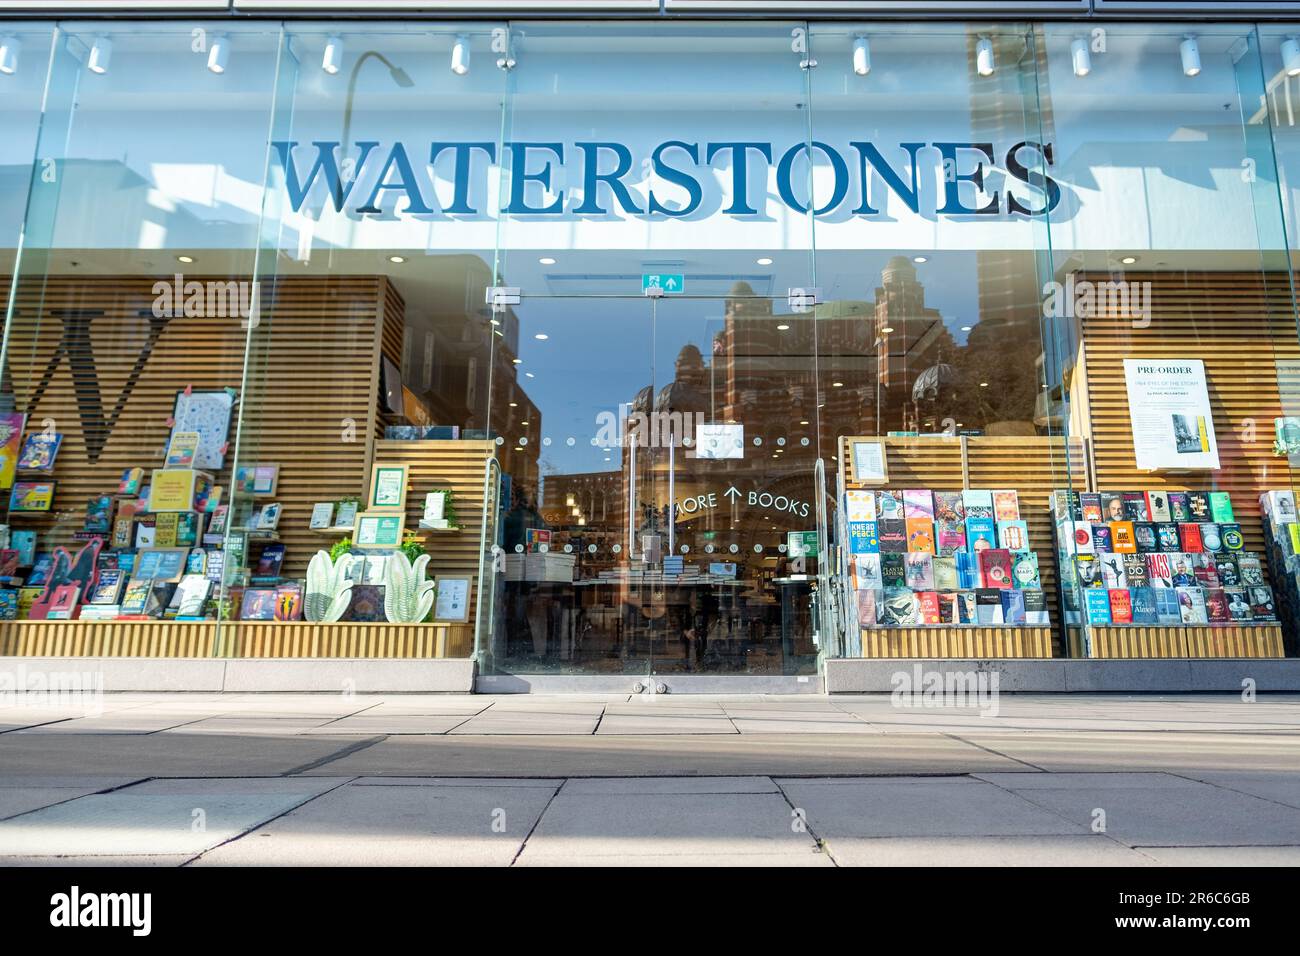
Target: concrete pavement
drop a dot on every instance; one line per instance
(212, 780)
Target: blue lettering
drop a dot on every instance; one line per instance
(520, 177)
(325, 165)
(460, 196)
(677, 177)
(405, 183)
(592, 177)
(869, 156)
(952, 180)
(739, 172)
(840, 168)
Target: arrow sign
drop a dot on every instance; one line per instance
(669, 283)
(731, 493)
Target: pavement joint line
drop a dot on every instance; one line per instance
(95, 793)
(599, 720)
(269, 820)
(1056, 813)
(336, 755)
(990, 750)
(822, 845)
(44, 723)
(536, 823)
(355, 713)
(1244, 793)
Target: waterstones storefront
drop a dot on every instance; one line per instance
(679, 343)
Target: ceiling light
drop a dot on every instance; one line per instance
(460, 55)
(184, 258)
(518, 361)
(514, 404)
(546, 261)
(837, 384)
(887, 329)
(1080, 57)
(803, 423)
(984, 56)
(965, 328)
(1190, 51)
(1129, 260)
(765, 261)
(1290, 57)
(984, 384)
(861, 56)
(920, 259)
(218, 55)
(541, 336)
(101, 53)
(397, 259)
(529, 374)
(783, 327)
(10, 47)
(332, 59)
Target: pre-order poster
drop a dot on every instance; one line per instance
(1169, 409)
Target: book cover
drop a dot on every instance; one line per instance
(1238, 605)
(1035, 606)
(1179, 507)
(1122, 539)
(981, 533)
(1206, 570)
(1221, 507)
(901, 608)
(866, 572)
(945, 573)
(1121, 606)
(1096, 603)
(988, 605)
(1250, 570)
(130, 483)
(1087, 571)
(1089, 506)
(1065, 505)
(889, 506)
(966, 608)
(192, 593)
(968, 573)
(1279, 506)
(919, 572)
(1144, 536)
(1184, 574)
(950, 536)
(144, 531)
(322, 513)
(949, 612)
(869, 607)
(108, 587)
(217, 523)
(8, 563)
(288, 602)
(929, 607)
(891, 534)
(1013, 607)
(38, 454)
(918, 503)
(1135, 571)
(949, 506)
(995, 567)
(862, 537)
(8, 604)
(1198, 504)
(1216, 606)
(859, 505)
(1143, 602)
(1167, 537)
(24, 542)
(1191, 605)
(1233, 539)
(269, 563)
(346, 516)
(1112, 570)
(1112, 506)
(64, 601)
(164, 533)
(1211, 538)
(188, 527)
(1135, 506)
(136, 596)
(1225, 566)
(1189, 537)
(123, 532)
(920, 535)
(31, 495)
(1261, 603)
(978, 503)
(39, 575)
(1006, 505)
(1075, 537)
(1158, 506)
(216, 566)
(1160, 571)
(893, 570)
(196, 562)
(1024, 570)
(258, 604)
(1168, 610)
(1013, 535)
(182, 449)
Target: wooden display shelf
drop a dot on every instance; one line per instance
(1134, 641)
(204, 639)
(960, 641)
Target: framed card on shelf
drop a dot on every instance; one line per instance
(451, 602)
(387, 487)
(207, 413)
(379, 529)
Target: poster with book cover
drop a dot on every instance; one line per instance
(11, 438)
(1170, 415)
(39, 451)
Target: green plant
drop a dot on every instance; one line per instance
(340, 548)
(328, 592)
(412, 546)
(408, 594)
(448, 509)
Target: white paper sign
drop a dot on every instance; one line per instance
(720, 440)
(452, 602)
(1169, 410)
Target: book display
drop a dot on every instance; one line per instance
(920, 558)
(1282, 561)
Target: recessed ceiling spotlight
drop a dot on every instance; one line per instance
(920, 259)
(332, 59)
(887, 329)
(541, 336)
(783, 327)
(546, 261)
(397, 259)
(765, 261)
(837, 384)
(185, 259)
(965, 328)
(1129, 260)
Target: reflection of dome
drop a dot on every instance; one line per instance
(899, 268)
(932, 380)
(741, 288)
(683, 393)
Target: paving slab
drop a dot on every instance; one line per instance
(918, 807)
(1175, 753)
(395, 826)
(606, 755)
(173, 859)
(238, 726)
(1223, 855)
(593, 827)
(665, 723)
(14, 801)
(1278, 787)
(1096, 781)
(152, 821)
(133, 722)
(391, 724)
(1175, 816)
(983, 851)
(801, 858)
(514, 722)
(676, 785)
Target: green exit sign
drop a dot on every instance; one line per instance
(666, 283)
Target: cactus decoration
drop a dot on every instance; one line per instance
(329, 592)
(408, 595)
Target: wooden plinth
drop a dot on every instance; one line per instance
(966, 642)
(1255, 641)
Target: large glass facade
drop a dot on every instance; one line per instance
(650, 349)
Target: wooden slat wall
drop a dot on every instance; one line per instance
(254, 639)
(460, 466)
(1239, 324)
(1034, 467)
(312, 372)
